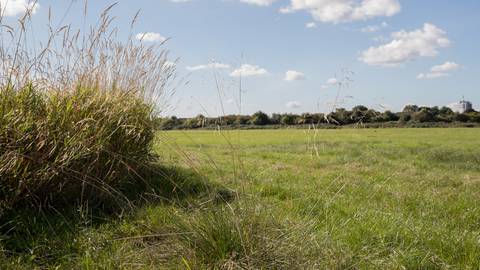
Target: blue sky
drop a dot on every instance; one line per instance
(288, 51)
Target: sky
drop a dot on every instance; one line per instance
(288, 56)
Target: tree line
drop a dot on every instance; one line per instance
(340, 116)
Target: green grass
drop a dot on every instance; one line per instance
(370, 199)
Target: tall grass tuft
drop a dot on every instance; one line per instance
(76, 119)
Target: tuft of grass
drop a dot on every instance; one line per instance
(78, 119)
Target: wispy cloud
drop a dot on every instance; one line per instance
(373, 28)
(432, 75)
(310, 25)
(258, 2)
(248, 70)
(216, 65)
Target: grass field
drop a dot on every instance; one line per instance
(278, 199)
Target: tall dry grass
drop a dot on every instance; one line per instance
(77, 113)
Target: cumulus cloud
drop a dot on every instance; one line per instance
(332, 81)
(310, 25)
(294, 104)
(447, 66)
(294, 76)
(454, 106)
(11, 8)
(230, 101)
(432, 75)
(149, 37)
(258, 2)
(324, 87)
(248, 70)
(337, 11)
(216, 65)
(407, 47)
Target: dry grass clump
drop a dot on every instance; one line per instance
(76, 119)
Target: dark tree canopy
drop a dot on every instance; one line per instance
(410, 108)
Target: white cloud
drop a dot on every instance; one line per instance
(310, 25)
(149, 37)
(454, 106)
(294, 104)
(370, 28)
(230, 101)
(447, 66)
(373, 28)
(216, 65)
(324, 87)
(344, 10)
(332, 81)
(432, 75)
(258, 2)
(294, 76)
(248, 70)
(12, 8)
(380, 38)
(407, 47)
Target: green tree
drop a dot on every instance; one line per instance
(445, 111)
(410, 108)
(275, 118)
(288, 119)
(389, 116)
(263, 118)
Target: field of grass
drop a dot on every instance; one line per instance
(276, 199)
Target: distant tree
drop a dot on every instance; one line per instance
(470, 110)
(425, 115)
(389, 116)
(275, 118)
(318, 118)
(360, 113)
(256, 121)
(445, 111)
(475, 117)
(461, 117)
(410, 108)
(241, 120)
(288, 119)
(405, 117)
(341, 116)
(263, 118)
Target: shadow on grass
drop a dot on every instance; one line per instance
(43, 236)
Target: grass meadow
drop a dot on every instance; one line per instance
(88, 182)
(285, 199)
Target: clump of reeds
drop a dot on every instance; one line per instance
(75, 120)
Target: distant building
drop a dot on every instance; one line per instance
(464, 105)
